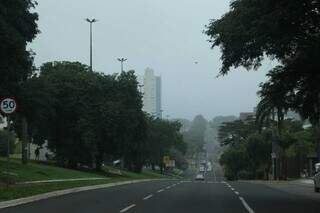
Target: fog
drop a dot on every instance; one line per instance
(163, 34)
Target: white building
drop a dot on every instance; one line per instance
(151, 89)
(3, 122)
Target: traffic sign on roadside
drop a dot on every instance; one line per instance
(8, 106)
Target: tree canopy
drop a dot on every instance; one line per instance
(18, 27)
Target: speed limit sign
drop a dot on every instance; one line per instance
(8, 105)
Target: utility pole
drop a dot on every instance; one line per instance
(122, 60)
(91, 21)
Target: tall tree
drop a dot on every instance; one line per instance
(18, 27)
(285, 30)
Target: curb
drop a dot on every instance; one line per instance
(21, 201)
(60, 180)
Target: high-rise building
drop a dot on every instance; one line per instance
(151, 90)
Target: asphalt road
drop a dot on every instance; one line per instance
(213, 195)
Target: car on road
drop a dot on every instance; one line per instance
(317, 178)
(199, 177)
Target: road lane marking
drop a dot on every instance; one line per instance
(246, 205)
(148, 197)
(237, 193)
(168, 187)
(161, 190)
(128, 208)
(232, 189)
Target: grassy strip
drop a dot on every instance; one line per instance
(35, 171)
(20, 191)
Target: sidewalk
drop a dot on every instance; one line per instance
(301, 187)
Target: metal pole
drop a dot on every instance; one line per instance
(121, 66)
(8, 148)
(91, 46)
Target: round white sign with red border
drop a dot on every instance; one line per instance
(8, 106)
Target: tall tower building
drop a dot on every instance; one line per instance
(152, 93)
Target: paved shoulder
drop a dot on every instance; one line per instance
(100, 200)
(266, 199)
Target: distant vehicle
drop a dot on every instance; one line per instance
(317, 178)
(199, 177)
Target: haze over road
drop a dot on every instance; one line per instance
(175, 196)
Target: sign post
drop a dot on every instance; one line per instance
(7, 107)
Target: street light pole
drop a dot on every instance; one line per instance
(122, 60)
(91, 21)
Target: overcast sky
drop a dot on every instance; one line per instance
(165, 35)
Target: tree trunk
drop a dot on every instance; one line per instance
(99, 160)
(318, 140)
(24, 140)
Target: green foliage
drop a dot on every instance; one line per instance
(85, 115)
(304, 144)
(18, 27)
(194, 137)
(164, 138)
(247, 153)
(253, 29)
(4, 137)
(248, 148)
(231, 133)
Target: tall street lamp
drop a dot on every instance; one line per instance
(122, 60)
(91, 21)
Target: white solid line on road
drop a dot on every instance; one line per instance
(161, 190)
(246, 205)
(128, 208)
(237, 193)
(148, 197)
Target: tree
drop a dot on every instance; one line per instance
(285, 30)
(195, 135)
(86, 116)
(232, 133)
(164, 138)
(255, 28)
(18, 27)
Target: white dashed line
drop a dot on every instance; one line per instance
(237, 193)
(246, 205)
(148, 197)
(161, 190)
(232, 189)
(128, 208)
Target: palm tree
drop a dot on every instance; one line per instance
(276, 100)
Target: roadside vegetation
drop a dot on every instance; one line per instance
(36, 171)
(247, 34)
(87, 119)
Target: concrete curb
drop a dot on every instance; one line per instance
(20, 201)
(61, 180)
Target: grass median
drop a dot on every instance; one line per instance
(40, 172)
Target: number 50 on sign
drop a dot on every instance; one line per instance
(8, 105)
